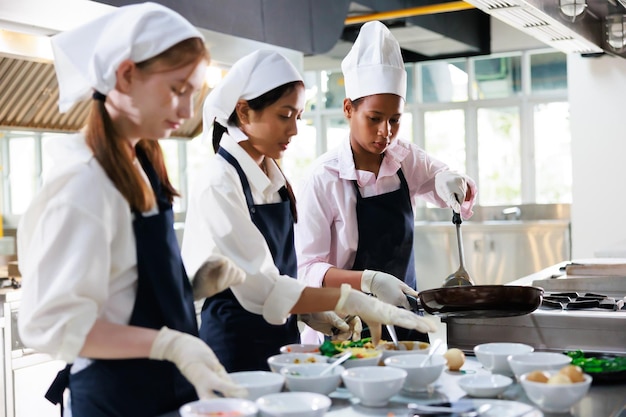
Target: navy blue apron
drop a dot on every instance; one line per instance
(241, 340)
(385, 225)
(142, 387)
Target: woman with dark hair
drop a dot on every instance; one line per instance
(242, 208)
(357, 204)
(104, 287)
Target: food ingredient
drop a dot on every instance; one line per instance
(559, 378)
(537, 376)
(310, 359)
(591, 364)
(573, 372)
(455, 358)
(363, 348)
(406, 345)
(569, 374)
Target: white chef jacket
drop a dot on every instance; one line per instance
(218, 222)
(327, 230)
(77, 254)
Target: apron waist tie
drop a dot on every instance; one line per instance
(58, 386)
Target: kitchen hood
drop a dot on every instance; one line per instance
(544, 20)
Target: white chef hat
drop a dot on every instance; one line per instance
(250, 77)
(87, 57)
(374, 65)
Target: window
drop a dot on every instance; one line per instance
(504, 120)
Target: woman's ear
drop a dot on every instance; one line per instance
(124, 75)
(243, 111)
(347, 108)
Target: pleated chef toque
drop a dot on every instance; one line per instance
(374, 65)
(250, 77)
(86, 58)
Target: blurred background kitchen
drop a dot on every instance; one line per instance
(524, 96)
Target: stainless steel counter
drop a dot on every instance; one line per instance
(601, 401)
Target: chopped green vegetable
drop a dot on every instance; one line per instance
(329, 348)
(595, 365)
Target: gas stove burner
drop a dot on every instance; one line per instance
(577, 301)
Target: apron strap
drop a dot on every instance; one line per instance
(58, 386)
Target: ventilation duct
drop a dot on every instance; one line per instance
(544, 21)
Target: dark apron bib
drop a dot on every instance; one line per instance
(385, 225)
(143, 387)
(241, 340)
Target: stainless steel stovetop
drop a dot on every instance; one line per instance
(583, 313)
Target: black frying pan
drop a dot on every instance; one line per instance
(479, 301)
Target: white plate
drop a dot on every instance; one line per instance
(499, 408)
(484, 385)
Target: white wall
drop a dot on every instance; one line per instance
(597, 95)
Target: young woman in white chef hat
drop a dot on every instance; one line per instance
(356, 207)
(241, 207)
(104, 287)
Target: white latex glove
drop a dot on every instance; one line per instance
(451, 187)
(330, 324)
(215, 275)
(386, 288)
(375, 312)
(197, 362)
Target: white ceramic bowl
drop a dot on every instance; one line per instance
(555, 398)
(407, 347)
(307, 378)
(537, 361)
(418, 377)
(374, 385)
(493, 356)
(258, 383)
(484, 386)
(277, 362)
(244, 408)
(372, 360)
(293, 404)
(300, 348)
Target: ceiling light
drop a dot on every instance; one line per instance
(572, 8)
(615, 28)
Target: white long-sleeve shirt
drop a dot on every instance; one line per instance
(77, 254)
(218, 222)
(327, 230)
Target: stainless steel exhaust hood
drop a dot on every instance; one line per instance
(544, 21)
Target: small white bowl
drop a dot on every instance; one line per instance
(485, 386)
(300, 348)
(407, 347)
(374, 385)
(244, 408)
(555, 398)
(258, 383)
(493, 356)
(537, 361)
(307, 378)
(293, 404)
(372, 360)
(277, 362)
(418, 377)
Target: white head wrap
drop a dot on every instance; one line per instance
(252, 76)
(374, 65)
(87, 57)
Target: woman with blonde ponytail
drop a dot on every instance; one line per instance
(104, 287)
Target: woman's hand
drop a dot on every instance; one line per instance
(215, 275)
(197, 362)
(386, 288)
(375, 312)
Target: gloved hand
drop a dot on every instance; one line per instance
(375, 312)
(330, 324)
(451, 187)
(386, 288)
(196, 361)
(215, 275)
